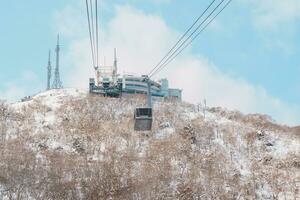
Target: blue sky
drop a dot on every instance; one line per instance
(252, 42)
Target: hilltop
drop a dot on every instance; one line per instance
(68, 144)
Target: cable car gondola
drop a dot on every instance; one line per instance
(143, 119)
(143, 116)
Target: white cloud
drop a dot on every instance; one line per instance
(15, 90)
(272, 14)
(202, 80)
(12, 93)
(68, 21)
(142, 39)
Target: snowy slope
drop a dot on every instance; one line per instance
(66, 144)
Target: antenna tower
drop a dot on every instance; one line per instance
(57, 84)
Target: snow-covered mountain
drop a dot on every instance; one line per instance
(67, 144)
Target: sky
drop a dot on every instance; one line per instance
(247, 60)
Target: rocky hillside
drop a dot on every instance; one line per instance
(67, 144)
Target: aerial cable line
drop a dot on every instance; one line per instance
(187, 39)
(182, 37)
(97, 34)
(93, 31)
(93, 24)
(90, 32)
(195, 37)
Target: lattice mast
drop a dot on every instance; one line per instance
(57, 83)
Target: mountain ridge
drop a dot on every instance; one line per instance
(81, 146)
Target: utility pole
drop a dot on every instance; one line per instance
(49, 73)
(57, 84)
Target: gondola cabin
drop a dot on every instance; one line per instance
(143, 119)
